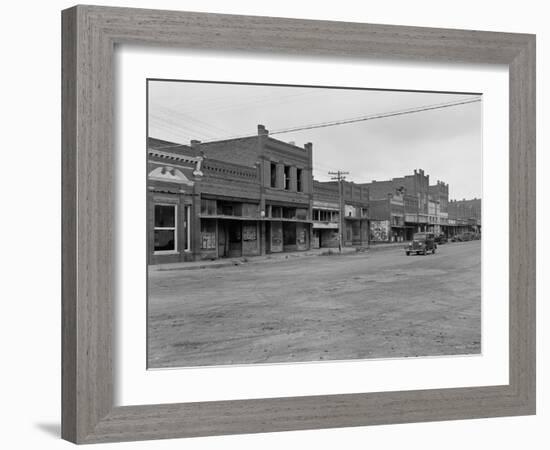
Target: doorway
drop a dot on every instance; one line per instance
(229, 239)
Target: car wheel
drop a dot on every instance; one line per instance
(408, 253)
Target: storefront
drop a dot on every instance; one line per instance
(287, 228)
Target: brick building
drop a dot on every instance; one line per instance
(466, 215)
(439, 194)
(387, 218)
(414, 190)
(424, 207)
(327, 210)
(237, 197)
(256, 195)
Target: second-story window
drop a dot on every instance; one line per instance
(273, 175)
(299, 186)
(287, 177)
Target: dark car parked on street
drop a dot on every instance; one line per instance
(422, 243)
(441, 239)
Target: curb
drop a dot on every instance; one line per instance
(276, 258)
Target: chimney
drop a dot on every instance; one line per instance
(262, 130)
(308, 147)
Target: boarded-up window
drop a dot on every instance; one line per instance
(301, 214)
(250, 232)
(250, 210)
(208, 234)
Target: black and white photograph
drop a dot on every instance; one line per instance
(293, 224)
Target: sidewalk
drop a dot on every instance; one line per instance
(272, 257)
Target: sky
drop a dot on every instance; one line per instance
(445, 142)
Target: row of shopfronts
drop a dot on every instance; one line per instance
(256, 195)
(241, 197)
(406, 205)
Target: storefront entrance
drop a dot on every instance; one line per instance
(229, 239)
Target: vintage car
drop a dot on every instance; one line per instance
(464, 237)
(441, 239)
(422, 243)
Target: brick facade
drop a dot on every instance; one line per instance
(327, 211)
(256, 195)
(425, 207)
(218, 199)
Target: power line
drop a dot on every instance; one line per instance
(364, 118)
(357, 119)
(375, 116)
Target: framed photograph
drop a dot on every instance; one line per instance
(279, 224)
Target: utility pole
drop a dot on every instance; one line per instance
(340, 177)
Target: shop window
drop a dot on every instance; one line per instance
(165, 228)
(299, 186)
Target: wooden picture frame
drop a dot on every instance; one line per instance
(89, 37)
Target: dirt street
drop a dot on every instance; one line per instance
(367, 305)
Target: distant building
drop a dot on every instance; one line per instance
(415, 192)
(466, 214)
(439, 194)
(387, 218)
(425, 207)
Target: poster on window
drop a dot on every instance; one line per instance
(379, 230)
(249, 232)
(208, 240)
(301, 237)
